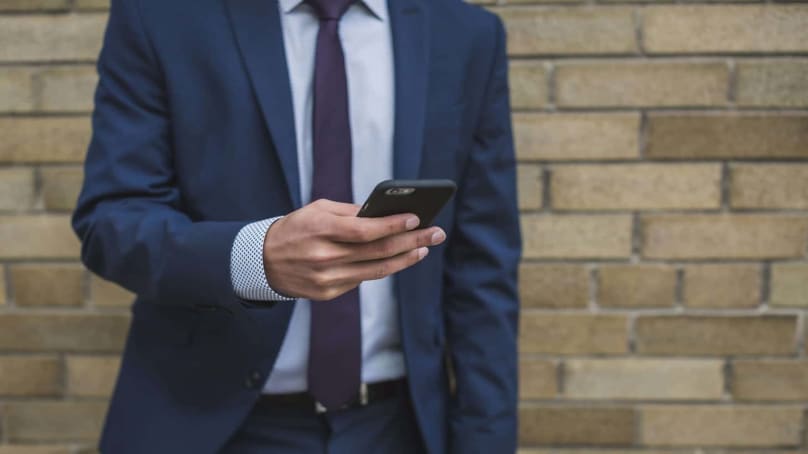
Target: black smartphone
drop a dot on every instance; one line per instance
(424, 198)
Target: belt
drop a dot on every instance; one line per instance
(367, 394)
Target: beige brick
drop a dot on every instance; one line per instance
(528, 84)
(91, 376)
(720, 425)
(17, 190)
(725, 28)
(93, 449)
(44, 139)
(781, 186)
(529, 178)
(537, 379)
(588, 30)
(772, 83)
(48, 284)
(37, 237)
(33, 5)
(36, 449)
(529, 2)
(594, 426)
(67, 89)
(642, 83)
(722, 285)
(636, 186)
(63, 332)
(553, 285)
(51, 37)
(724, 236)
(789, 284)
(573, 333)
(716, 335)
(576, 236)
(30, 376)
(724, 136)
(92, 4)
(653, 450)
(107, 294)
(586, 136)
(16, 89)
(643, 379)
(635, 451)
(637, 286)
(54, 421)
(770, 380)
(61, 187)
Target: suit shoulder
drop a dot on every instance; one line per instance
(466, 24)
(469, 14)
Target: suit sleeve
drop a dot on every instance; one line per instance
(130, 216)
(481, 299)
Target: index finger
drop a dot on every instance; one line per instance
(338, 208)
(353, 229)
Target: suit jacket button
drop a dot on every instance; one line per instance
(253, 380)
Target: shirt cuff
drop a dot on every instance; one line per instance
(247, 264)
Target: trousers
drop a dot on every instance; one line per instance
(384, 427)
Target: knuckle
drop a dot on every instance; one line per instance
(362, 232)
(320, 255)
(320, 280)
(382, 270)
(387, 248)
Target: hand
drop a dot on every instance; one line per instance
(323, 249)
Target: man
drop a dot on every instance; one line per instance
(231, 140)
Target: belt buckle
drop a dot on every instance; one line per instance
(363, 400)
(363, 394)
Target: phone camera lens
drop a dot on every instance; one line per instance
(399, 191)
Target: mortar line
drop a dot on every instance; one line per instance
(642, 135)
(727, 372)
(726, 187)
(679, 289)
(765, 283)
(551, 85)
(732, 83)
(594, 288)
(547, 189)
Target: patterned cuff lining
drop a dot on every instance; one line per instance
(247, 264)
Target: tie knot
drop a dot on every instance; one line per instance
(330, 9)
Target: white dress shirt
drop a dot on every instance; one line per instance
(367, 44)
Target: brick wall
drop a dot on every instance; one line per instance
(663, 179)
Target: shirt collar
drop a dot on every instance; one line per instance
(377, 7)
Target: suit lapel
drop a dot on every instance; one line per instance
(411, 61)
(257, 26)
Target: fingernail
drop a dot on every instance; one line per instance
(412, 222)
(438, 237)
(422, 252)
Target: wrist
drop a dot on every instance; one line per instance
(277, 294)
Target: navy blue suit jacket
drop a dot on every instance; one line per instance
(194, 138)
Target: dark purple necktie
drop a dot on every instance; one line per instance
(335, 351)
